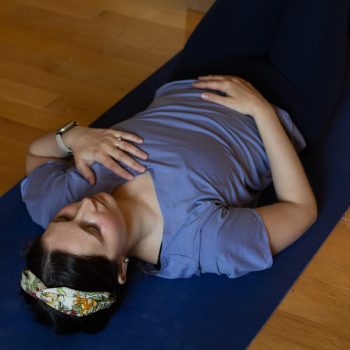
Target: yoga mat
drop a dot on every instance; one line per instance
(206, 312)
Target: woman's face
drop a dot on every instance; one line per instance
(93, 226)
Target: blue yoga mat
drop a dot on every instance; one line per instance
(204, 312)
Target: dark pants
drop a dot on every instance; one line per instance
(293, 51)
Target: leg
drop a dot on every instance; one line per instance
(230, 28)
(310, 51)
(237, 27)
(235, 38)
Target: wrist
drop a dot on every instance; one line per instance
(70, 136)
(263, 110)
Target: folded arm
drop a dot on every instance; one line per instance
(296, 209)
(89, 145)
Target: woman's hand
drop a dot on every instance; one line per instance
(240, 94)
(105, 146)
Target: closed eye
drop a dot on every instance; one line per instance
(61, 218)
(87, 227)
(92, 229)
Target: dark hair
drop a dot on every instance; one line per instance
(62, 269)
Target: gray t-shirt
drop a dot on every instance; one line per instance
(208, 165)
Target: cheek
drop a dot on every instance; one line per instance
(113, 223)
(114, 233)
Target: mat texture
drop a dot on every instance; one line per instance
(204, 312)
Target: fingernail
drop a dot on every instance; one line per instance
(205, 96)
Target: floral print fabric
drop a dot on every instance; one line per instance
(67, 300)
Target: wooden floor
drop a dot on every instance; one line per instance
(73, 59)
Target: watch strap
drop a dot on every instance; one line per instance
(61, 145)
(61, 131)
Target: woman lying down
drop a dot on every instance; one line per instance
(175, 186)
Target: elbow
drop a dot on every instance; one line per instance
(307, 213)
(314, 210)
(315, 213)
(311, 212)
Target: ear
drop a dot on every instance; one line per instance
(122, 268)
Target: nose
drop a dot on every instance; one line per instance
(87, 205)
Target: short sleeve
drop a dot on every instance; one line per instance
(43, 191)
(234, 242)
(291, 129)
(55, 184)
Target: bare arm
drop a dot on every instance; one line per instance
(296, 208)
(89, 145)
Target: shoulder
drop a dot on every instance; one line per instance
(55, 184)
(43, 190)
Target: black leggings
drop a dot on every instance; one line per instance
(293, 51)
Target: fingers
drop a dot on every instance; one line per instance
(222, 100)
(125, 136)
(212, 76)
(221, 78)
(130, 148)
(226, 81)
(214, 82)
(124, 158)
(241, 95)
(118, 153)
(108, 154)
(108, 147)
(113, 166)
(219, 85)
(86, 171)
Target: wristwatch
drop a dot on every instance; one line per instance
(60, 132)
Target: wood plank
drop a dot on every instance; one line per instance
(7, 5)
(28, 116)
(93, 34)
(200, 5)
(315, 314)
(82, 9)
(14, 140)
(289, 332)
(25, 93)
(167, 12)
(44, 68)
(38, 48)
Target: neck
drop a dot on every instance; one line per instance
(139, 226)
(144, 225)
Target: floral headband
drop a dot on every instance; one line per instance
(66, 300)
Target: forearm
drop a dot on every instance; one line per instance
(46, 145)
(45, 148)
(289, 178)
(108, 147)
